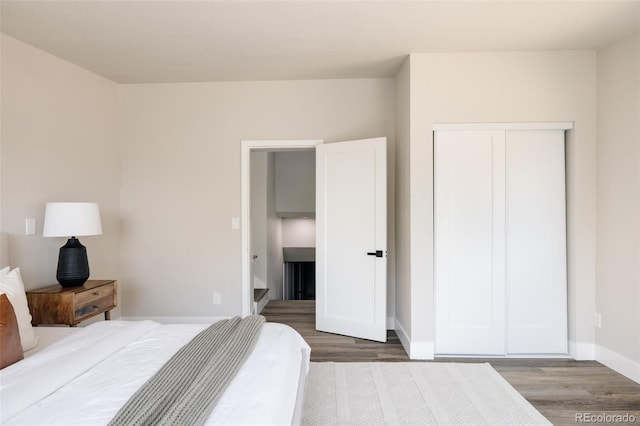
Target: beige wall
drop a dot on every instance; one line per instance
(274, 233)
(501, 87)
(403, 202)
(618, 224)
(59, 143)
(266, 226)
(163, 162)
(181, 177)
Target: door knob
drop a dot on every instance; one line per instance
(377, 253)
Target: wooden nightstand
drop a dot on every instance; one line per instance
(71, 305)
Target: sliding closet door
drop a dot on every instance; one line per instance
(536, 246)
(500, 241)
(469, 242)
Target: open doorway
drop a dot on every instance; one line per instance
(264, 262)
(351, 237)
(282, 224)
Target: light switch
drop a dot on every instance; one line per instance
(30, 226)
(235, 223)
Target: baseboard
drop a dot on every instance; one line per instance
(404, 338)
(415, 350)
(177, 320)
(623, 365)
(422, 350)
(582, 351)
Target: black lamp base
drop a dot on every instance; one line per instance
(73, 265)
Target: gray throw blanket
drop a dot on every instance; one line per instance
(185, 390)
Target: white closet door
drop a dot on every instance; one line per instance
(536, 244)
(469, 242)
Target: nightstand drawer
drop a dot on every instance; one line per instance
(91, 295)
(94, 301)
(93, 307)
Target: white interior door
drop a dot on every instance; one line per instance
(351, 238)
(536, 242)
(469, 242)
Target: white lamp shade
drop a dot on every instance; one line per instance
(71, 220)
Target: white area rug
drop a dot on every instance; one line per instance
(413, 393)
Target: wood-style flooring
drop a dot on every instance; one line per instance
(561, 389)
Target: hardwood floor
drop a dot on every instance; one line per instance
(561, 389)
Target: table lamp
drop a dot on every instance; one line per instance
(72, 220)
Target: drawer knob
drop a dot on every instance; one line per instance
(96, 306)
(95, 293)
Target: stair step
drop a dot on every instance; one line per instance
(259, 293)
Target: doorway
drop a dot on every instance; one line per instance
(351, 237)
(247, 256)
(282, 225)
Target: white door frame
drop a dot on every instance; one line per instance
(245, 192)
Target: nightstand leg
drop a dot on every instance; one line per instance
(107, 315)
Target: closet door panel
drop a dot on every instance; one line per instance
(469, 266)
(535, 242)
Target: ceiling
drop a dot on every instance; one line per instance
(133, 41)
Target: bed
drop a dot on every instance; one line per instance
(85, 375)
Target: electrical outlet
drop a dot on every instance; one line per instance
(217, 299)
(597, 320)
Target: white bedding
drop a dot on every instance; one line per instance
(48, 335)
(85, 378)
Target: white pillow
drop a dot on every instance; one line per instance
(11, 284)
(4, 271)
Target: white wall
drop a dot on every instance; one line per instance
(59, 143)
(499, 87)
(295, 183)
(618, 208)
(181, 177)
(298, 232)
(259, 211)
(274, 234)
